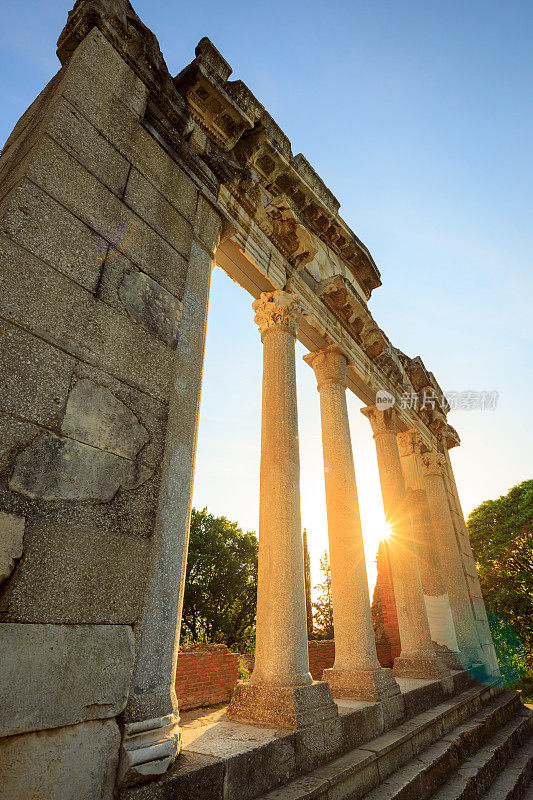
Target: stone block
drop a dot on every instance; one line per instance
(26, 122)
(11, 542)
(392, 750)
(318, 744)
(35, 376)
(191, 776)
(55, 675)
(71, 185)
(74, 574)
(151, 413)
(14, 436)
(97, 75)
(117, 267)
(284, 707)
(40, 299)
(151, 306)
(71, 130)
(251, 773)
(58, 468)
(123, 129)
(77, 762)
(94, 415)
(352, 775)
(207, 225)
(155, 209)
(52, 233)
(360, 724)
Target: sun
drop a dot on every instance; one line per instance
(387, 531)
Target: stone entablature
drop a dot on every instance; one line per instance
(272, 199)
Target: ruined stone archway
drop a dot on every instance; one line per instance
(120, 187)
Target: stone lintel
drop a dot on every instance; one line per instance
(291, 707)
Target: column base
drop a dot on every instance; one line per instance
(471, 660)
(450, 658)
(375, 685)
(291, 707)
(148, 749)
(423, 666)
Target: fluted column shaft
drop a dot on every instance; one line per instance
(355, 647)
(417, 657)
(450, 557)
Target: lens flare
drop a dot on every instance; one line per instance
(387, 531)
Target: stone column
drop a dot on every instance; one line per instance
(490, 659)
(281, 690)
(465, 627)
(152, 737)
(417, 658)
(356, 673)
(435, 593)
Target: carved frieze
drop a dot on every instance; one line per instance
(204, 85)
(342, 300)
(227, 138)
(292, 238)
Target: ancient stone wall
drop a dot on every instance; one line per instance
(97, 224)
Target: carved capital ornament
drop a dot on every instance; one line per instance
(382, 420)
(409, 442)
(277, 309)
(329, 365)
(434, 463)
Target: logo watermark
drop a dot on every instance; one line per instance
(468, 400)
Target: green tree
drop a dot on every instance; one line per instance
(221, 583)
(501, 534)
(323, 607)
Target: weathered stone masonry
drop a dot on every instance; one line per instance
(120, 188)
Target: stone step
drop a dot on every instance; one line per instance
(514, 781)
(422, 776)
(422, 748)
(473, 779)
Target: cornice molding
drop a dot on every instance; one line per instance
(226, 138)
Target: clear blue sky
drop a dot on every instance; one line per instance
(418, 115)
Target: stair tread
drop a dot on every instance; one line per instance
(435, 751)
(516, 767)
(470, 769)
(317, 782)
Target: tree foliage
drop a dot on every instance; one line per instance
(501, 534)
(323, 607)
(221, 583)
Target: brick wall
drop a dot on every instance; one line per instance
(384, 615)
(321, 657)
(206, 675)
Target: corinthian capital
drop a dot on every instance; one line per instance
(409, 442)
(277, 309)
(382, 420)
(434, 463)
(329, 365)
